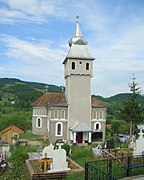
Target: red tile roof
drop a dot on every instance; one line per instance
(59, 98)
(14, 128)
(51, 98)
(100, 103)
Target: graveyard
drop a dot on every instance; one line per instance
(48, 158)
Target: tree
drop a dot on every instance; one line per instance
(132, 111)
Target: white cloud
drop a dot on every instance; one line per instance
(37, 11)
(33, 60)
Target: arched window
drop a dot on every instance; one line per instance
(97, 126)
(100, 114)
(38, 122)
(87, 66)
(95, 114)
(62, 114)
(56, 114)
(59, 129)
(73, 65)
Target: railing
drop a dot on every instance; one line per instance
(112, 169)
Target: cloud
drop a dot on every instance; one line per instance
(37, 11)
(33, 59)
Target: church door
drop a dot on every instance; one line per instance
(79, 137)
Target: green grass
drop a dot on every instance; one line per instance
(81, 155)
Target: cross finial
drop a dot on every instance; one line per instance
(77, 17)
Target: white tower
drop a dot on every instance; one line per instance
(78, 73)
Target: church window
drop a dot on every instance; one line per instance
(80, 62)
(39, 122)
(56, 114)
(59, 129)
(62, 114)
(73, 65)
(100, 114)
(87, 66)
(97, 126)
(95, 114)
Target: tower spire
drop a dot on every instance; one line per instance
(77, 38)
(78, 31)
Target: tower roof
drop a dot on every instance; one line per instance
(78, 46)
(77, 38)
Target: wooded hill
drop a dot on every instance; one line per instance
(16, 97)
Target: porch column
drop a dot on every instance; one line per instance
(74, 137)
(89, 137)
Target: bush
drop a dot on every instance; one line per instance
(66, 147)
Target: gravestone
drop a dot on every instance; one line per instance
(59, 160)
(139, 144)
(48, 151)
(132, 144)
(97, 151)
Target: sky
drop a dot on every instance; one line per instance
(34, 37)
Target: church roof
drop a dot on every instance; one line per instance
(80, 127)
(51, 98)
(98, 103)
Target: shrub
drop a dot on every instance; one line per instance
(66, 147)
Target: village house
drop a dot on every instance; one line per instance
(11, 134)
(73, 115)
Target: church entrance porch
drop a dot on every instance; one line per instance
(80, 133)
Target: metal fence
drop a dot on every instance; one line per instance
(112, 169)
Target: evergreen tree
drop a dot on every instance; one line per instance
(132, 111)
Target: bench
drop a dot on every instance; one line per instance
(51, 175)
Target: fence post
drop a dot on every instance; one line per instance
(110, 167)
(128, 166)
(86, 171)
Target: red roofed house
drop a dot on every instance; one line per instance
(11, 134)
(73, 115)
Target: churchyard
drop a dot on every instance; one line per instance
(79, 154)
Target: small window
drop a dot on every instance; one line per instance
(59, 129)
(87, 66)
(73, 65)
(97, 126)
(39, 122)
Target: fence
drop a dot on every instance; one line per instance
(112, 169)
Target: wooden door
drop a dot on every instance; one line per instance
(79, 137)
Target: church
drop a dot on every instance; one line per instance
(74, 115)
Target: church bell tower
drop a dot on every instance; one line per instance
(78, 71)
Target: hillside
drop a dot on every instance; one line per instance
(21, 93)
(16, 97)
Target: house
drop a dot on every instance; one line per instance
(73, 115)
(11, 134)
